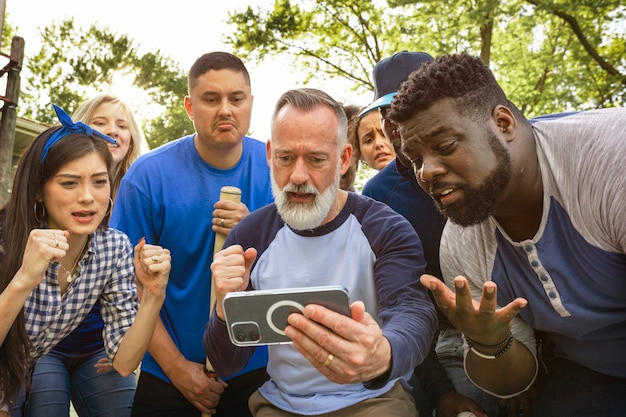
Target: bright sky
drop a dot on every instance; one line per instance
(180, 29)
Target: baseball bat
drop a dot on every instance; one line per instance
(227, 193)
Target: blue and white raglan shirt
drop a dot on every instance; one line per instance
(167, 196)
(370, 250)
(573, 271)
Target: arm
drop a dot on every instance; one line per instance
(41, 249)
(364, 351)
(137, 214)
(441, 392)
(148, 332)
(187, 376)
(230, 271)
(227, 358)
(432, 377)
(509, 373)
(12, 301)
(152, 267)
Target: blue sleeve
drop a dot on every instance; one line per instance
(407, 313)
(226, 358)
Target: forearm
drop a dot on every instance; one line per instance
(505, 376)
(433, 378)
(138, 338)
(226, 358)
(165, 352)
(12, 301)
(410, 333)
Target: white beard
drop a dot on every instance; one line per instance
(305, 216)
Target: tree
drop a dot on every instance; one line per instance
(549, 55)
(8, 33)
(73, 64)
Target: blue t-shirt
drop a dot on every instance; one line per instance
(167, 196)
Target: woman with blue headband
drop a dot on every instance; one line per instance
(107, 114)
(60, 262)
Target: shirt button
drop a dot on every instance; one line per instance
(535, 264)
(528, 248)
(544, 277)
(552, 294)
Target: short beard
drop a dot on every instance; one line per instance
(479, 203)
(301, 216)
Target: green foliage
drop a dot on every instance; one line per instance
(70, 63)
(8, 33)
(549, 55)
(167, 85)
(341, 40)
(363, 174)
(74, 64)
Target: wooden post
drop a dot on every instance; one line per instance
(9, 114)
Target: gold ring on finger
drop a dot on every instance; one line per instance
(329, 359)
(56, 240)
(222, 223)
(155, 259)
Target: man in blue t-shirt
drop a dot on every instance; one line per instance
(170, 197)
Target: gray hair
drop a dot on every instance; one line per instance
(307, 99)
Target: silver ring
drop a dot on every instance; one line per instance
(222, 223)
(155, 259)
(56, 240)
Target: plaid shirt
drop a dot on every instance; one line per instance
(105, 272)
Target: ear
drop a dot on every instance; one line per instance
(268, 152)
(189, 107)
(346, 158)
(505, 122)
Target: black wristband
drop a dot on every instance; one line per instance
(506, 343)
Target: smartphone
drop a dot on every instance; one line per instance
(259, 317)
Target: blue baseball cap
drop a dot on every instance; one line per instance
(389, 73)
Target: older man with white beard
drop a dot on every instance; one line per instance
(316, 234)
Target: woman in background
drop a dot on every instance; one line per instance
(110, 115)
(368, 141)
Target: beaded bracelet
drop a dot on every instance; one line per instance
(506, 343)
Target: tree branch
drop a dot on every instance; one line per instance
(573, 23)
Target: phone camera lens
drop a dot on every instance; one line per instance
(241, 337)
(253, 336)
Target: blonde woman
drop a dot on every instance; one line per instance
(111, 116)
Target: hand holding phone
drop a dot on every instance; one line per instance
(259, 317)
